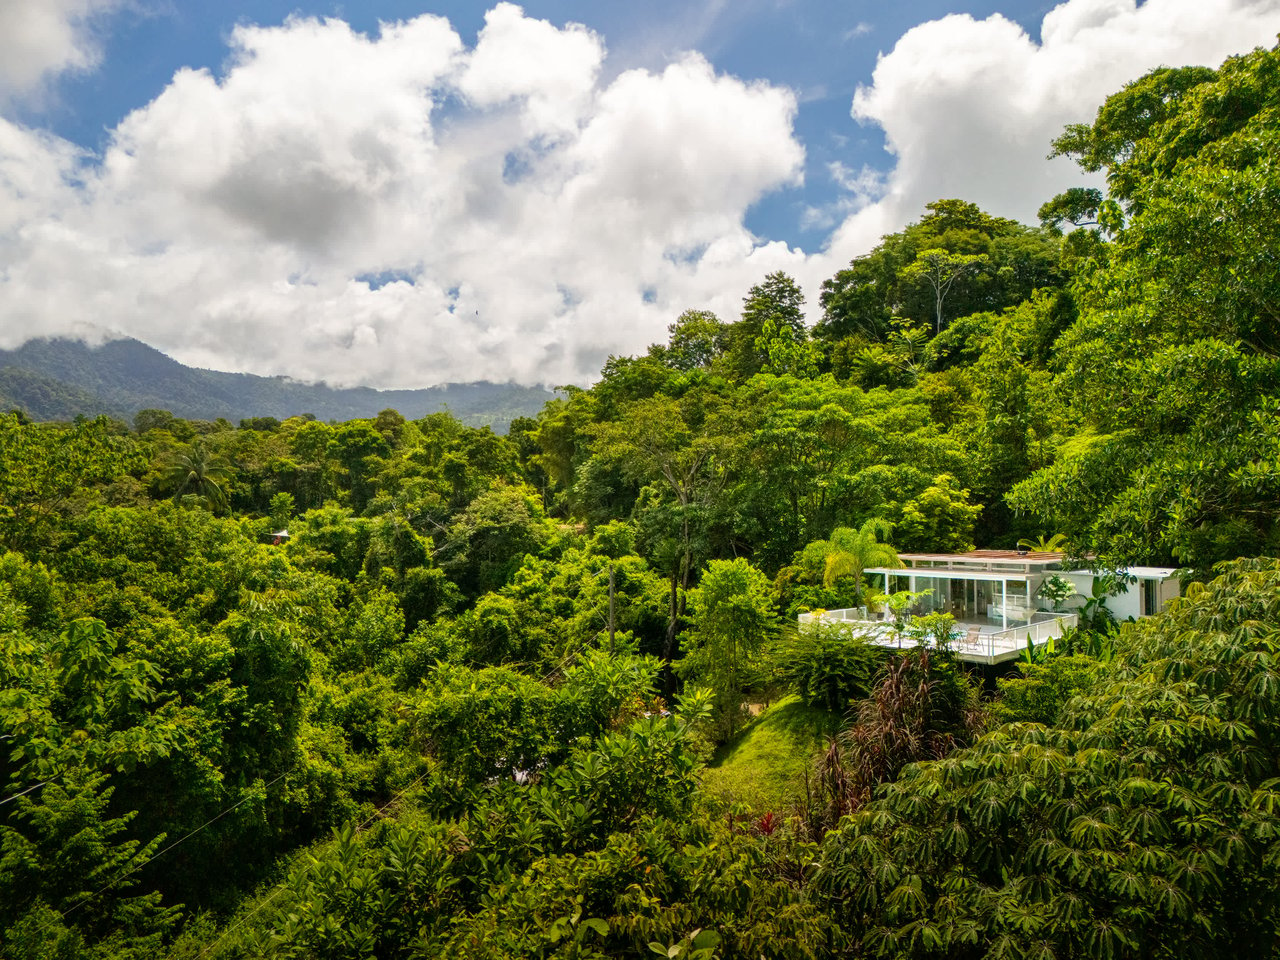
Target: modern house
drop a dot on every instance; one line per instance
(998, 599)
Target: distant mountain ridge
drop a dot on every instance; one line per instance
(59, 379)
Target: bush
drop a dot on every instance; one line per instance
(828, 666)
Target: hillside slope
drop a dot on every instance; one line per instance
(58, 379)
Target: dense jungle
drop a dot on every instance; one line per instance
(409, 688)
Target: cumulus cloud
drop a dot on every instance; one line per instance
(39, 38)
(400, 209)
(969, 107)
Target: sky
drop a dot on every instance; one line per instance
(398, 194)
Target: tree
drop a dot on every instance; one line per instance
(1118, 139)
(777, 300)
(939, 519)
(787, 353)
(199, 472)
(849, 552)
(956, 261)
(733, 617)
(47, 470)
(696, 339)
(941, 269)
(826, 665)
(488, 541)
(1172, 362)
(1077, 206)
(679, 443)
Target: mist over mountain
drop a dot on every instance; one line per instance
(59, 379)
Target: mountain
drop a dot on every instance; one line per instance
(60, 379)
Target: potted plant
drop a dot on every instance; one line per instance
(1056, 591)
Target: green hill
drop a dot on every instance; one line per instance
(764, 764)
(60, 379)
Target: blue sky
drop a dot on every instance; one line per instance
(487, 191)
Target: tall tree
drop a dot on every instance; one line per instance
(777, 300)
(680, 444)
(941, 270)
(198, 471)
(732, 612)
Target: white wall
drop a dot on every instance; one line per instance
(1122, 605)
(1127, 604)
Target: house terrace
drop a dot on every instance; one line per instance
(994, 597)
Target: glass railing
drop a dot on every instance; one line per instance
(969, 641)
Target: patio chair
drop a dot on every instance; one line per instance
(971, 639)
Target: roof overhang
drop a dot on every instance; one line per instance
(943, 573)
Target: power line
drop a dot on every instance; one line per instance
(133, 869)
(25, 792)
(281, 887)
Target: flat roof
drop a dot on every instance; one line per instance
(1143, 573)
(985, 556)
(943, 573)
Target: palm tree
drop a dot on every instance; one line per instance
(1054, 544)
(849, 552)
(198, 472)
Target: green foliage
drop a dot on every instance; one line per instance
(939, 519)
(776, 302)
(849, 552)
(198, 473)
(1147, 812)
(1172, 360)
(697, 338)
(490, 538)
(1056, 590)
(828, 665)
(488, 723)
(1042, 690)
(48, 470)
(955, 262)
(733, 618)
(920, 708)
(68, 873)
(493, 722)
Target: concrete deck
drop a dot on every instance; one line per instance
(976, 640)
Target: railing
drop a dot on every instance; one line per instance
(848, 615)
(999, 644)
(1043, 627)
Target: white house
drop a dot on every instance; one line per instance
(996, 599)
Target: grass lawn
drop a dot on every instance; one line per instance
(764, 764)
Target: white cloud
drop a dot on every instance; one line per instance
(39, 38)
(554, 70)
(969, 107)
(536, 219)
(400, 209)
(857, 191)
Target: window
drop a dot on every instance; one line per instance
(1150, 597)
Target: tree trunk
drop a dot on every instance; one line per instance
(669, 645)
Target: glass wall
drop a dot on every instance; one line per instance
(989, 603)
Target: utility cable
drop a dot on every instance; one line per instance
(23, 793)
(136, 867)
(280, 888)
